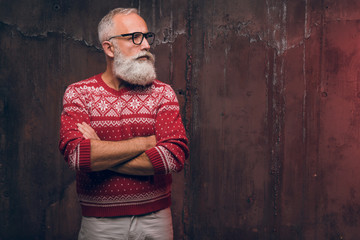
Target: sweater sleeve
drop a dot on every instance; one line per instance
(72, 145)
(171, 150)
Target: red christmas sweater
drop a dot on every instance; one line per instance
(120, 115)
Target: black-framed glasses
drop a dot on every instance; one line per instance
(138, 37)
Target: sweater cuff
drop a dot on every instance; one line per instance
(156, 160)
(84, 156)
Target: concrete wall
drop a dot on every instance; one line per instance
(269, 93)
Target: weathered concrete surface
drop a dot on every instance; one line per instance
(269, 96)
(275, 122)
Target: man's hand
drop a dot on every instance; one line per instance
(87, 131)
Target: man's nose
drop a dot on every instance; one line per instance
(145, 45)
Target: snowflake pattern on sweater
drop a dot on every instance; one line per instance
(115, 116)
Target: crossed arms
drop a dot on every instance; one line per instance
(126, 157)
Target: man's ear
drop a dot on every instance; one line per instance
(108, 48)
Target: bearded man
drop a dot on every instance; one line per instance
(122, 133)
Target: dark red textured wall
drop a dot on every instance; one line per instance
(270, 97)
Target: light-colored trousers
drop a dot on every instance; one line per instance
(156, 225)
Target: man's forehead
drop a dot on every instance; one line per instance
(129, 23)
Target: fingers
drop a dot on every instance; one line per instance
(84, 127)
(83, 130)
(87, 131)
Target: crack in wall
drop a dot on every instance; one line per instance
(243, 29)
(169, 36)
(45, 34)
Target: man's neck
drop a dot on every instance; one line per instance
(111, 80)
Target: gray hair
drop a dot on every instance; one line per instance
(106, 24)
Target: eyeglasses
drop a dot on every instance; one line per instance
(138, 37)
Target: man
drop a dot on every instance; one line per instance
(122, 133)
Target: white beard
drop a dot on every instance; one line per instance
(133, 70)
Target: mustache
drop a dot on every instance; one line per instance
(145, 54)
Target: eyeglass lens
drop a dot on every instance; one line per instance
(138, 37)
